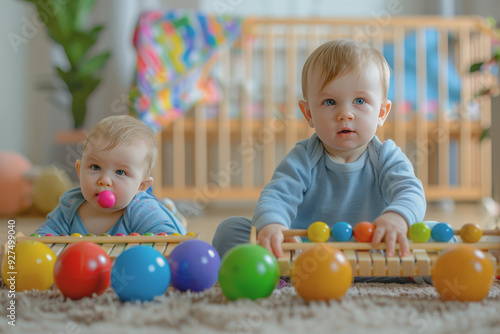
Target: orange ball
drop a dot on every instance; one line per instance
(363, 232)
(321, 273)
(462, 273)
(471, 233)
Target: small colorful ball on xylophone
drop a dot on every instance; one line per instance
(419, 232)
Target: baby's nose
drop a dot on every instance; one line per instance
(104, 181)
(345, 114)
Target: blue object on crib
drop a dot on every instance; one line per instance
(410, 73)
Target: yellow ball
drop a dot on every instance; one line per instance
(76, 235)
(471, 233)
(191, 234)
(462, 273)
(322, 273)
(318, 232)
(30, 265)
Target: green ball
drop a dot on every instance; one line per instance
(419, 232)
(248, 271)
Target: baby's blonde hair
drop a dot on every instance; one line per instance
(124, 130)
(338, 57)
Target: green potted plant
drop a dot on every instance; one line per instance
(67, 25)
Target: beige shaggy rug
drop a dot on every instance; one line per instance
(366, 308)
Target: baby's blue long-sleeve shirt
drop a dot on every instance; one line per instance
(308, 186)
(143, 214)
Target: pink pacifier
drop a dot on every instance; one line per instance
(106, 199)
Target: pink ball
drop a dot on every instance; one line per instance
(106, 199)
(16, 192)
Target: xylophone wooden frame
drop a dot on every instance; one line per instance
(366, 261)
(112, 245)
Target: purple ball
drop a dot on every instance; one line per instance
(194, 265)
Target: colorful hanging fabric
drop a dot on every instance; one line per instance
(173, 48)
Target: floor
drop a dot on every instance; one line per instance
(206, 222)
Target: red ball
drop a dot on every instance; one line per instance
(82, 269)
(363, 232)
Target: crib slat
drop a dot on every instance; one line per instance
(247, 139)
(268, 137)
(443, 130)
(485, 121)
(223, 128)
(422, 140)
(465, 125)
(200, 146)
(179, 154)
(399, 88)
(291, 89)
(157, 170)
(313, 43)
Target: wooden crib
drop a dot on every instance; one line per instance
(228, 151)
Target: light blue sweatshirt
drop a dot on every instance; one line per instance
(143, 214)
(308, 186)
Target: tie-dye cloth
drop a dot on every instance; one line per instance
(172, 48)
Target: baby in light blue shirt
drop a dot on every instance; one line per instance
(119, 154)
(343, 172)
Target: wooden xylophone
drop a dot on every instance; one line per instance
(112, 245)
(367, 260)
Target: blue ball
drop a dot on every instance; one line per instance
(442, 232)
(195, 265)
(140, 273)
(341, 231)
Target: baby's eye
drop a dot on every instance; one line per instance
(120, 172)
(329, 102)
(359, 101)
(95, 167)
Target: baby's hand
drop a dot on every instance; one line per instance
(392, 228)
(271, 236)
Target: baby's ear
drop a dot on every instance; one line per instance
(146, 183)
(78, 164)
(306, 111)
(385, 108)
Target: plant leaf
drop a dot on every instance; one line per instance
(476, 67)
(80, 44)
(94, 64)
(94, 33)
(484, 133)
